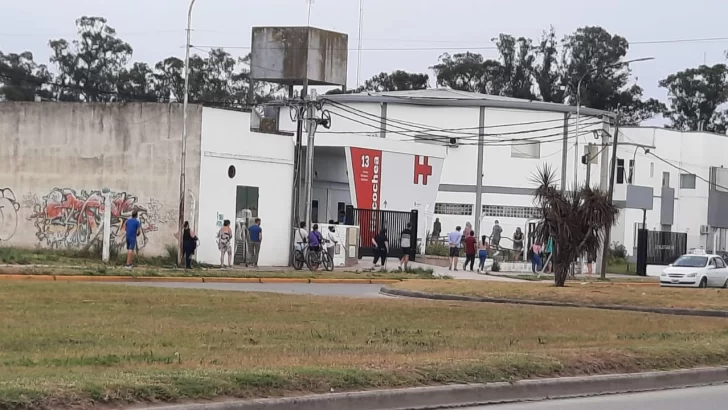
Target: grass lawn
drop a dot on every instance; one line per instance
(598, 293)
(72, 263)
(80, 345)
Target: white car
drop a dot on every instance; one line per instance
(697, 270)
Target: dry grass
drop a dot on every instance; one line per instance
(81, 345)
(149, 271)
(597, 293)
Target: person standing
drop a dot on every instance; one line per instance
(482, 253)
(301, 236)
(405, 243)
(495, 237)
(224, 243)
(470, 244)
(256, 238)
(133, 229)
(189, 244)
(381, 248)
(331, 240)
(518, 242)
(536, 257)
(453, 239)
(436, 228)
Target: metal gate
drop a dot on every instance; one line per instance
(370, 222)
(663, 248)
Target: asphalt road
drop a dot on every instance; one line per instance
(702, 398)
(317, 289)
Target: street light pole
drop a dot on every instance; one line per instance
(578, 106)
(183, 165)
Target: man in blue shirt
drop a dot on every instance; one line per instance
(132, 227)
(255, 235)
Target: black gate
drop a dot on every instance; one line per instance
(370, 222)
(663, 248)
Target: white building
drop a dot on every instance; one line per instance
(398, 151)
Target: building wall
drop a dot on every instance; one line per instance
(56, 158)
(695, 153)
(260, 160)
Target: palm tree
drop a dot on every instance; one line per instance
(573, 220)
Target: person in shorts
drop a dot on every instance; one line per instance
(224, 243)
(132, 227)
(454, 239)
(405, 243)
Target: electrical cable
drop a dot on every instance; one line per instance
(377, 124)
(429, 127)
(686, 171)
(521, 141)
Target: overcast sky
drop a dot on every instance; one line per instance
(155, 28)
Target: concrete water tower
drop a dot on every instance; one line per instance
(299, 56)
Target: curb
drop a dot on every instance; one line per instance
(188, 279)
(439, 296)
(423, 398)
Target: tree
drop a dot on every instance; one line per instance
(572, 220)
(397, 81)
(22, 79)
(593, 54)
(468, 72)
(516, 72)
(695, 96)
(89, 67)
(547, 71)
(137, 84)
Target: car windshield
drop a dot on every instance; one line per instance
(691, 261)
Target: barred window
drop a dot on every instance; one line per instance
(453, 209)
(503, 211)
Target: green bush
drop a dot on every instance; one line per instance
(437, 249)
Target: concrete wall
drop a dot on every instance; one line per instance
(260, 160)
(55, 158)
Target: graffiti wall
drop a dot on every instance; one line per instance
(65, 218)
(56, 158)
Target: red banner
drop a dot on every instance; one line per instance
(367, 167)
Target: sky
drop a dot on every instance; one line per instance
(391, 29)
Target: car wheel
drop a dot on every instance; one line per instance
(725, 285)
(703, 283)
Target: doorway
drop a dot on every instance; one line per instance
(246, 210)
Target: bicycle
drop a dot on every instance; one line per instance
(299, 257)
(318, 257)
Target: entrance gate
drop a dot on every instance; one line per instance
(370, 222)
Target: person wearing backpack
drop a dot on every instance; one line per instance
(406, 245)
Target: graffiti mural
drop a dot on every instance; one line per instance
(67, 219)
(8, 214)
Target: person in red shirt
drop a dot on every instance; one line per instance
(470, 249)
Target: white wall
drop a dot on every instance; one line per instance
(56, 158)
(694, 152)
(261, 160)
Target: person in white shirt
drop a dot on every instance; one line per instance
(300, 236)
(331, 240)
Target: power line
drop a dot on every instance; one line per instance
(460, 48)
(377, 119)
(445, 140)
(686, 171)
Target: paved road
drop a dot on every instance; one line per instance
(703, 398)
(345, 290)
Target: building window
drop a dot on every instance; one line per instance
(620, 171)
(314, 211)
(453, 209)
(502, 211)
(687, 181)
(523, 150)
(652, 169)
(666, 180)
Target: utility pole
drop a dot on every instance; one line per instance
(603, 177)
(183, 166)
(312, 123)
(479, 177)
(589, 159)
(612, 172)
(564, 153)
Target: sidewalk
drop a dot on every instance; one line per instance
(393, 263)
